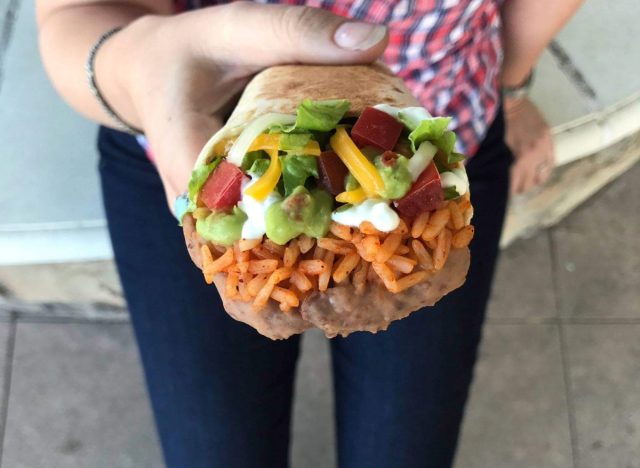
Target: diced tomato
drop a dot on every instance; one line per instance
(332, 172)
(426, 194)
(221, 191)
(376, 128)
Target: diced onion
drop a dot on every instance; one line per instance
(412, 116)
(456, 178)
(421, 159)
(409, 116)
(387, 109)
(251, 132)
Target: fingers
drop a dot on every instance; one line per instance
(184, 118)
(178, 148)
(522, 177)
(515, 186)
(542, 173)
(263, 35)
(545, 168)
(532, 168)
(223, 45)
(517, 179)
(529, 175)
(529, 137)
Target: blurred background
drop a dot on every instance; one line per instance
(558, 381)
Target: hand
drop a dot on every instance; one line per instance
(175, 77)
(529, 137)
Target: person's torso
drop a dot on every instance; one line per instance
(448, 53)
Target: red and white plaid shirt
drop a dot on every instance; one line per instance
(448, 52)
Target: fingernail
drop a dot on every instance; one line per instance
(358, 36)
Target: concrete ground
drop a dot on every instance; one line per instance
(557, 383)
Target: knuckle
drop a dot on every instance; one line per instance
(296, 23)
(312, 19)
(291, 23)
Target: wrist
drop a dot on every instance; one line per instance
(513, 104)
(115, 69)
(519, 91)
(515, 74)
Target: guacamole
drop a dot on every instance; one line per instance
(396, 176)
(302, 212)
(221, 227)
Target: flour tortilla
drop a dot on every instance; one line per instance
(281, 89)
(337, 311)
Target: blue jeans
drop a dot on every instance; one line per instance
(221, 393)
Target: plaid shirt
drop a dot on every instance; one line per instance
(448, 52)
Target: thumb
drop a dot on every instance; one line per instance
(175, 152)
(265, 35)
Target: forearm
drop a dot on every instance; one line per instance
(67, 33)
(527, 27)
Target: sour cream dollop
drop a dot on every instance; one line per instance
(377, 212)
(254, 227)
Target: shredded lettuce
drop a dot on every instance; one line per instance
(259, 167)
(198, 177)
(429, 129)
(454, 157)
(296, 169)
(251, 157)
(350, 182)
(446, 141)
(251, 132)
(435, 131)
(450, 193)
(315, 116)
(411, 116)
(294, 141)
(321, 116)
(387, 109)
(440, 166)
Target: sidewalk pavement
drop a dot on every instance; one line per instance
(557, 384)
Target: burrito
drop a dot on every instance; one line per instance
(329, 199)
